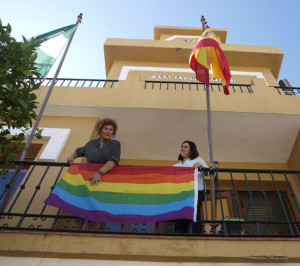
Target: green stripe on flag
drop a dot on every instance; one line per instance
(54, 32)
(44, 62)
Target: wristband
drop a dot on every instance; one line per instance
(100, 173)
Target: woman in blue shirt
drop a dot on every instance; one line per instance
(103, 150)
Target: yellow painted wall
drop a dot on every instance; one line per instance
(163, 32)
(82, 130)
(145, 248)
(294, 160)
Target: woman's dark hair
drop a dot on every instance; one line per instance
(105, 122)
(194, 152)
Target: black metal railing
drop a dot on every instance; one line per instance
(249, 202)
(294, 91)
(165, 85)
(196, 86)
(71, 82)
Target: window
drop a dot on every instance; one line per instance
(271, 209)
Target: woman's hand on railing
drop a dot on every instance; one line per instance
(71, 158)
(197, 165)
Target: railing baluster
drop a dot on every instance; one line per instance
(33, 196)
(55, 219)
(265, 197)
(61, 81)
(17, 171)
(55, 182)
(205, 201)
(211, 85)
(294, 91)
(282, 205)
(241, 89)
(235, 195)
(59, 210)
(21, 188)
(278, 90)
(221, 205)
(293, 195)
(252, 204)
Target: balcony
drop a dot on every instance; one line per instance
(172, 107)
(249, 203)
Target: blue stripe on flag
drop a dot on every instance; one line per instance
(90, 204)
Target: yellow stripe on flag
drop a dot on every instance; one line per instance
(162, 188)
(215, 64)
(201, 55)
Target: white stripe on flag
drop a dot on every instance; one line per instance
(53, 46)
(196, 194)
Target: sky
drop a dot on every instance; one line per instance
(255, 22)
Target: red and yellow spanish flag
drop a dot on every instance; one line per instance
(208, 51)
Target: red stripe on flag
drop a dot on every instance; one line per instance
(201, 71)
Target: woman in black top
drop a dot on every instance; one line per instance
(103, 150)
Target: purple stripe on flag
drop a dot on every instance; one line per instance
(105, 217)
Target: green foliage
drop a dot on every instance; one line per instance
(18, 81)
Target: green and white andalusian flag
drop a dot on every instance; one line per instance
(51, 45)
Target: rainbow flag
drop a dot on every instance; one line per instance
(208, 52)
(128, 194)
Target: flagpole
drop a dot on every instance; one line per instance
(209, 136)
(35, 126)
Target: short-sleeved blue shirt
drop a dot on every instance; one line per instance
(111, 151)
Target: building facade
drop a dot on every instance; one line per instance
(152, 93)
